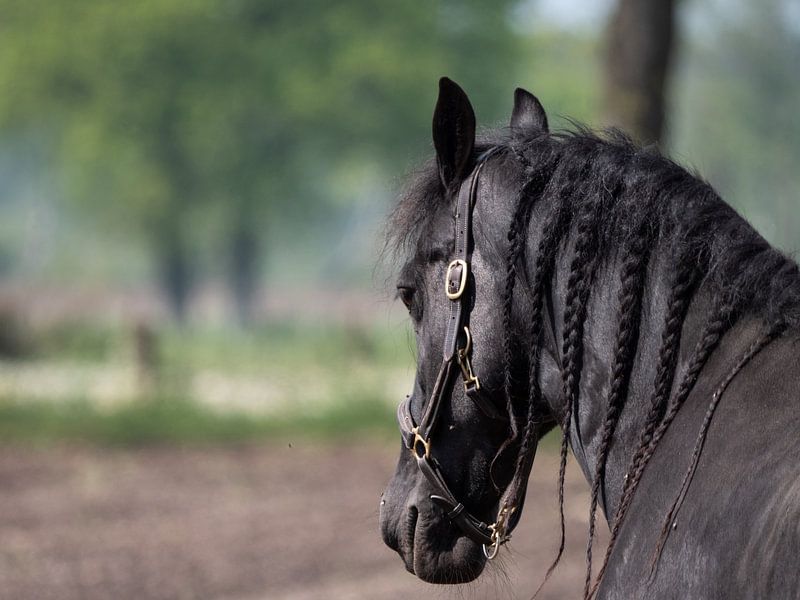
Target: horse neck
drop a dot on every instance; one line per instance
(599, 331)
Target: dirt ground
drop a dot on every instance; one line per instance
(269, 521)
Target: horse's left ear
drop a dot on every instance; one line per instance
(528, 113)
(453, 132)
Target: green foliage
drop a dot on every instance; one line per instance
(182, 121)
(76, 341)
(736, 118)
(557, 67)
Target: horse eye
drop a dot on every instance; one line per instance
(406, 295)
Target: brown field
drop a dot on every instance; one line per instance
(252, 522)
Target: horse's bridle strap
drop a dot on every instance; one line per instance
(473, 527)
(417, 437)
(458, 269)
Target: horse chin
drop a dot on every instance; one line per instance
(441, 555)
(463, 563)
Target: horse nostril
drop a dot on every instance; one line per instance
(411, 527)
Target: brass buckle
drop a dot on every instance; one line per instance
(462, 282)
(462, 356)
(418, 439)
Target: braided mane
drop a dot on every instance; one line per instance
(613, 204)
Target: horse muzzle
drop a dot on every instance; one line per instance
(431, 547)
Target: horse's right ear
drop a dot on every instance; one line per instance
(453, 133)
(528, 113)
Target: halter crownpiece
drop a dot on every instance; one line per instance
(458, 349)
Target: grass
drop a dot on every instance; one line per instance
(279, 345)
(326, 382)
(166, 421)
(171, 421)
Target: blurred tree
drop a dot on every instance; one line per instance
(737, 109)
(116, 87)
(167, 111)
(639, 48)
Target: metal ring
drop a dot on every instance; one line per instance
(493, 549)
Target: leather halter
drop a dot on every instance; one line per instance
(457, 351)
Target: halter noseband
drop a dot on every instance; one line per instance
(457, 351)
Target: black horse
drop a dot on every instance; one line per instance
(583, 282)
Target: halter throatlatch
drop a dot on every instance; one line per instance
(457, 352)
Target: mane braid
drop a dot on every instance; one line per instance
(632, 277)
(536, 180)
(669, 520)
(723, 318)
(531, 188)
(677, 307)
(554, 230)
(579, 286)
(512, 259)
(731, 304)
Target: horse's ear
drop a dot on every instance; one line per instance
(453, 132)
(528, 113)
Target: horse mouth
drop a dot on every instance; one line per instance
(435, 553)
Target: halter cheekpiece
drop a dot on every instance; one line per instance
(457, 352)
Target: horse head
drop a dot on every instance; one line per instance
(451, 502)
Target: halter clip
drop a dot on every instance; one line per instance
(462, 356)
(499, 536)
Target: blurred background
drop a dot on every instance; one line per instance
(200, 353)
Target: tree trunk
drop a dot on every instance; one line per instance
(175, 270)
(637, 61)
(244, 249)
(171, 245)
